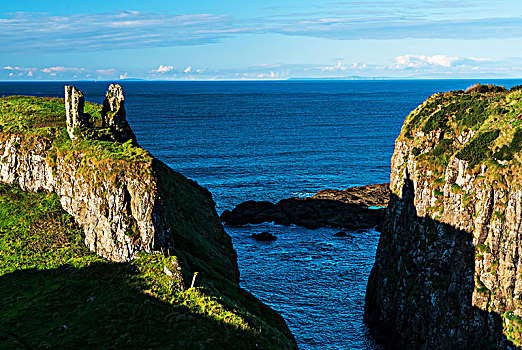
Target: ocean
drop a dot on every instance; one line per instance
(273, 140)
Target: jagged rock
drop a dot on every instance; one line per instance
(369, 195)
(114, 125)
(347, 208)
(264, 236)
(114, 115)
(77, 120)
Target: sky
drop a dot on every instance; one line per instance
(259, 40)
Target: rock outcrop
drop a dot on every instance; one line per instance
(367, 196)
(126, 200)
(448, 265)
(111, 123)
(77, 120)
(347, 208)
(129, 205)
(114, 116)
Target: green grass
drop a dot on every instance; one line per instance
(513, 327)
(494, 116)
(478, 150)
(48, 278)
(443, 147)
(54, 293)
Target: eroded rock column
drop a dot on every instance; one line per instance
(76, 118)
(114, 115)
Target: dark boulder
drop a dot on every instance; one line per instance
(264, 236)
(347, 208)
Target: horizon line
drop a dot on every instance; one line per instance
(256, 80)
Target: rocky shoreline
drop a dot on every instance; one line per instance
(353, 208)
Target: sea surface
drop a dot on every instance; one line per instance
(269, 141)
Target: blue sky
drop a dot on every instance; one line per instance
(223, 40)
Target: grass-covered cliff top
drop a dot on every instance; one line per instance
(44, 117)
(482, 125)
(54, 293)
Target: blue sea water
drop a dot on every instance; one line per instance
(272, 140)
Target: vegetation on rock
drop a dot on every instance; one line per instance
(490, 115)
(447, 272)
(55, 293)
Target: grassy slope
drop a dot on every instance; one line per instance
(55, 293)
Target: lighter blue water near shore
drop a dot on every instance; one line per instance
(272, 140)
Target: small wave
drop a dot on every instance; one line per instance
(303, 194)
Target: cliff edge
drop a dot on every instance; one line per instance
(448, 267)
(130, 208)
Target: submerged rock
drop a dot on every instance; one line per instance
(264, 236)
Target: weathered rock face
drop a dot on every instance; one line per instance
(114, 115)
(370, 195)
(119, 221)
(126, 200)
(448, 265)
(77, 120)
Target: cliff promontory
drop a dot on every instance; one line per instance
(448, 268)
(102, 245)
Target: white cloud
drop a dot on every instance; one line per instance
(335, 68)
(45, 32)
(124, 76)
(188, 69)
(60, 69)
(110, 71)
(20, 69)
(341, 67)
(270, 75)
(357, 65)
(162, 69)
(421, 61)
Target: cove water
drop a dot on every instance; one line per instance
(273, 140)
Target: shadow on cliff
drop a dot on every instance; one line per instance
(419, 294)
(103, 306)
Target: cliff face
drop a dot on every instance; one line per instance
(448, 264)
(133, 209)
(126, 200)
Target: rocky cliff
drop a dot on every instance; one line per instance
(448, 267)
(128, 203)
(125, 200)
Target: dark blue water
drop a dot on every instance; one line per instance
(272, 140)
